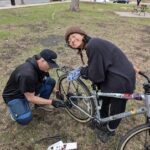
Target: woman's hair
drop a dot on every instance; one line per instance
(81, 56)
(85, 41)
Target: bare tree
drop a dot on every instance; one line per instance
(74, 6)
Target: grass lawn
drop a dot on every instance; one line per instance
(26, 31)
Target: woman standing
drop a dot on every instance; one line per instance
(108, 68)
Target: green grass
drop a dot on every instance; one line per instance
(25, 31)
(53, 16)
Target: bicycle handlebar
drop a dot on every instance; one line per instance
(142, 74)
(66, 69)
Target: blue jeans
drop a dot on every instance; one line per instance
(19, 108)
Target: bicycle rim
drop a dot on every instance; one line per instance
(78, 88)
(136, 139)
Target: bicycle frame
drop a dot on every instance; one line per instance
(135, 96)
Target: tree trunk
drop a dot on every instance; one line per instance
(22, 2)
(138, 2)
(13, 2)
(74, 6)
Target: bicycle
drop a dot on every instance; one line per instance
(84, 107)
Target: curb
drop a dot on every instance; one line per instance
(31, 5)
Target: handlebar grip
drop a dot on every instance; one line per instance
(137, 70)
(142, 73)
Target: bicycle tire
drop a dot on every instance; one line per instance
(134, 139)
(71, 111)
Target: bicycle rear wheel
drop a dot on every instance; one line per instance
(136, 139)
(77, 88)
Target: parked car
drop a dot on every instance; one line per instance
(121, 1)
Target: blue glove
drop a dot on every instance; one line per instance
(74, 74)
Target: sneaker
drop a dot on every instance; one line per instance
(44, 107)
(37, 106)
(12, 118)
(104, 134)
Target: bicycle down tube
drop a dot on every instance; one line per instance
(134, 96)
(96, 94)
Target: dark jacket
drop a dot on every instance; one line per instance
(108, 67)
(25, 78)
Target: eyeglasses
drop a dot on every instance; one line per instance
(72, 38)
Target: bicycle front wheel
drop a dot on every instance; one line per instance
(77, 88)
(136, 139)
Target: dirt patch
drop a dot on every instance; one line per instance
(146, 29)
(12, 48)
(8, 27)
(37, 27)
(51, 40)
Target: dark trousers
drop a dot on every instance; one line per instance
(112, 106)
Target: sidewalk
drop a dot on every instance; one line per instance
(9, 6)
(130, 14)
(31, 5)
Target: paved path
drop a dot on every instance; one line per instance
(130, 14)
(125, 14)
(30, 5)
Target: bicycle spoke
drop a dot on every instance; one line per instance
(76, 89)
(68, 87)
(146, 144)
(62, 89)
(75, 92)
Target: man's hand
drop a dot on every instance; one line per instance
(58, 103)
(59, 95)
(74, 74)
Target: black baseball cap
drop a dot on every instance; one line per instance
(50, 56)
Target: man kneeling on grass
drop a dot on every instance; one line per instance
(31, 82)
